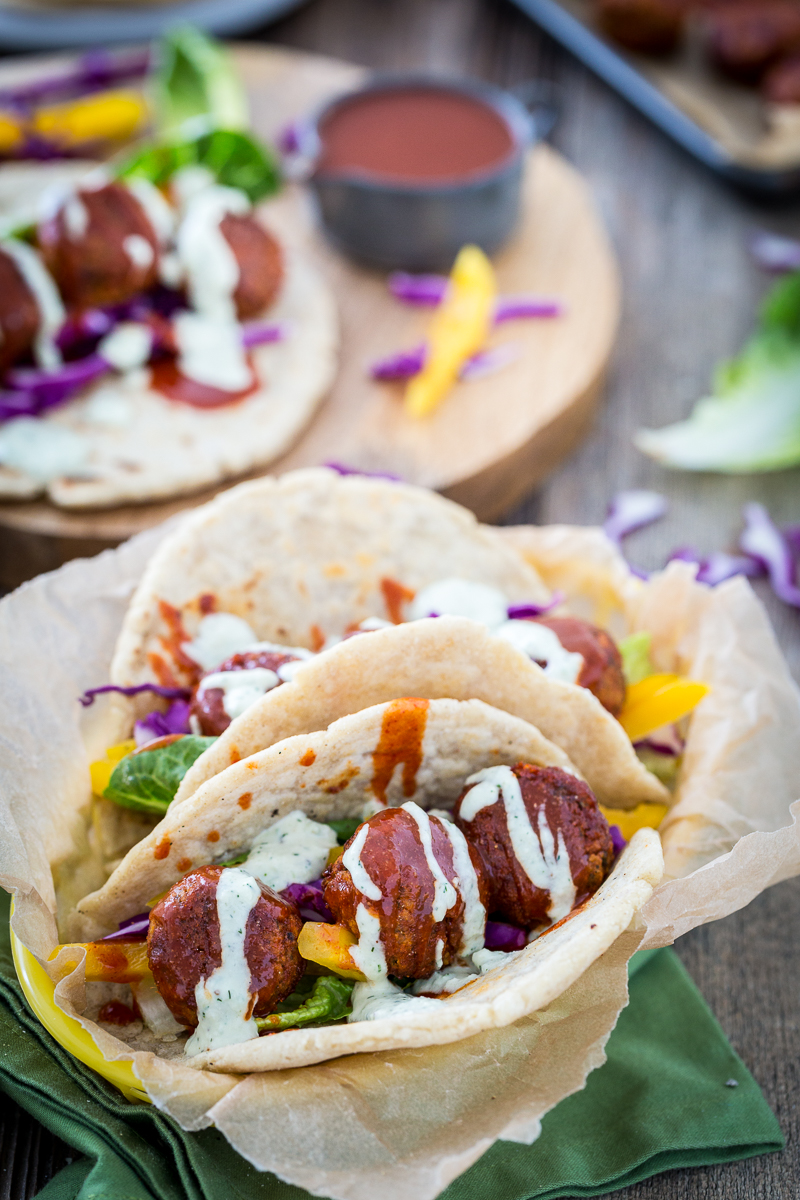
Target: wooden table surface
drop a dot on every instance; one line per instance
(690, 294)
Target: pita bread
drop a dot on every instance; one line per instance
(134, 444)
(446, 657)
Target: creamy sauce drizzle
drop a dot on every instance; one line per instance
(212, 272)
(138, 250)
(444, 894)
(374, 1001)
(293, 850)
(542, 645)
(368, 954)
(460, 598)
(127, 346)
(48, 301)
(218, 636)
(156, 209)
(223, 999)
(210, 351)
(547, 868)
(42, 449)
(351, 859)
(473, 932)
(240, 689)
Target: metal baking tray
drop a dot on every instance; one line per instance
(726, 103)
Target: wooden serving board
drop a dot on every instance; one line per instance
(493, 439)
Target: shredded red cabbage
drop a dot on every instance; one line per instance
(486, 362)
(618, 841)
(169, 693)
(310, 899)
(343, 469)
(523, 612)
(717, 567)
(516, 308)
(33, 391)
(261, 334)
(764, 542)
(161, 724)
(632, 510)
(427, 291)
(133, 930)
(94, 71)
(500, 936)
(399, 366)
(775, 253)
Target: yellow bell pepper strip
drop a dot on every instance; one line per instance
(658, 700)
(107, 116)
(628, 821)
(100, 771)
(458, 330)
(108, 962)
(329, 946)
(11, 133)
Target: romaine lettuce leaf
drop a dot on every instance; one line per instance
(751, 422)
(344, 828)
(148, 780)
(236, 160)
(196, 80)
(329, 1001)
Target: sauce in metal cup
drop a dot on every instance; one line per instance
(411, 168)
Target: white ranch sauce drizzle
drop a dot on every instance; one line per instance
(127, 346)
(439, 958)
(351, 859)
(546, 867)
(473, 931)
(210, 351)
(460, 598)
(223, 999)
(42, 449)
(219, 635)
(374, 1001)
(156, 208)
(293, 850)
(368, 954)
(240, 689)
(542, 645)
(138, 250)
(212, 271)
(48, 301)
(450, 979)
(444, 894)
(76, 217)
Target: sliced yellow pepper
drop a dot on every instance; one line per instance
(108, 116)
(628, 821)
(658, 700)
(329, 946)
(11, 133)
(100, 771)
(458, 330)
(109, 962)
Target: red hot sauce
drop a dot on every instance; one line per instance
(414, 134)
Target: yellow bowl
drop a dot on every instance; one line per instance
(69, 1033)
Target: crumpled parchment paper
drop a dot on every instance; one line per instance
(404, 1124)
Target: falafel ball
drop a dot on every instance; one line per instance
(744, 39)
(183, 944)
(208, 704)
(260, 260)
(645, 26)
(602, 670)
(20, 317)
(569, 809)
(100, 247)
(414, 943)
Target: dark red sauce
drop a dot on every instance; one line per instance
(413, 134)
(167, 379)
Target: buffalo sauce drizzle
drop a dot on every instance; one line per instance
(395, 595)
(167, 379)
(402, 731)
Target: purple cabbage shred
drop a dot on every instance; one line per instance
(423, 290)
(516, 308)
(775, 253)
(134, 929)
(262, 334)
(618, 841)
(168, 693)
(161, 724)
(717, 567)
(399, 366)
(632, 510)
(486, 362)
(500, 936)
(310, 899)
(772, 549)
(523, 612)
(343, 469)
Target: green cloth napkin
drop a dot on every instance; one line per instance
(663, 1100)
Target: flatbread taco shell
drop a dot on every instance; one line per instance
(329, 775)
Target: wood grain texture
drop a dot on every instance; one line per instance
(690, 295)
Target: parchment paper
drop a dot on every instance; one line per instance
(402, 1125)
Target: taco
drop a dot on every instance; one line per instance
(487, 827)
(322, 560)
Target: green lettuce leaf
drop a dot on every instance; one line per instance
(344, 828)
(196, 81)
(751, 422)
(329, 1001)
(635, 652)
(235, 159)
(149, 780)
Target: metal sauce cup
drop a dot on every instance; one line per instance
(421, 225)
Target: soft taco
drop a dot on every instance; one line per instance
(322, 560)
(486, 819)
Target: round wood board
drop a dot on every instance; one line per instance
(493, 439)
